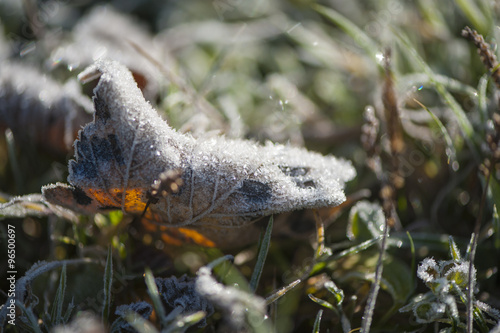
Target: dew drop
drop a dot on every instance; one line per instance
(379, 56)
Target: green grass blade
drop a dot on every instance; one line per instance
(181, 323)
(335, 291)
(155, 296)
(322, 302)
(413, 267)
(481, 22)
(261, 258)
(454, 252)
(450, 149)
(108, 281)
(32, 320)
(355, 249)
(56, 313)
(358, 35)
(69, 310)
(482, 100)
(459, 113)
(139, 323)
(408, 81)
(317, 322)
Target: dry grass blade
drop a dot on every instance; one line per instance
(281, 292)
(391, 110)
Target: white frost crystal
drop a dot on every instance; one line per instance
(226, 183)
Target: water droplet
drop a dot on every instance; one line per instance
(56, 61)
(455, 166)
(421, 87)
(28, 48)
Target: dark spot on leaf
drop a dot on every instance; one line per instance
(116, 150)
(83, 169)
(294, 171)
(80, 197)
(255, 192)
(101, 108)
(306, 184)
(101, 149)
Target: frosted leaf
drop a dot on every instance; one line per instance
(106, 33)
(226, 183)
(22, 206)
(38, 109)
(181, 293)
(142, 308)
(428, 270)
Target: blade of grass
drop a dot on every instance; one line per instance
(155, 296)
(281, 292)
(56, 313)
(480, 21)
(322, 302)
(355, 249)
(475, 235)
(372, 298)
(460, 115)
(317, 322)
(32, 320)
(454, 252)
(139, 323)
(406, 82)
(108, 281)
(69, 310)
(184, 322)
(413, 261)
(451, 151)
(261, 258)
(362, 39)
(482, 99)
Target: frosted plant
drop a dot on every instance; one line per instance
(38, 109)
(180, 293)
(448, 281)
(144, 309)
(226, 183)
